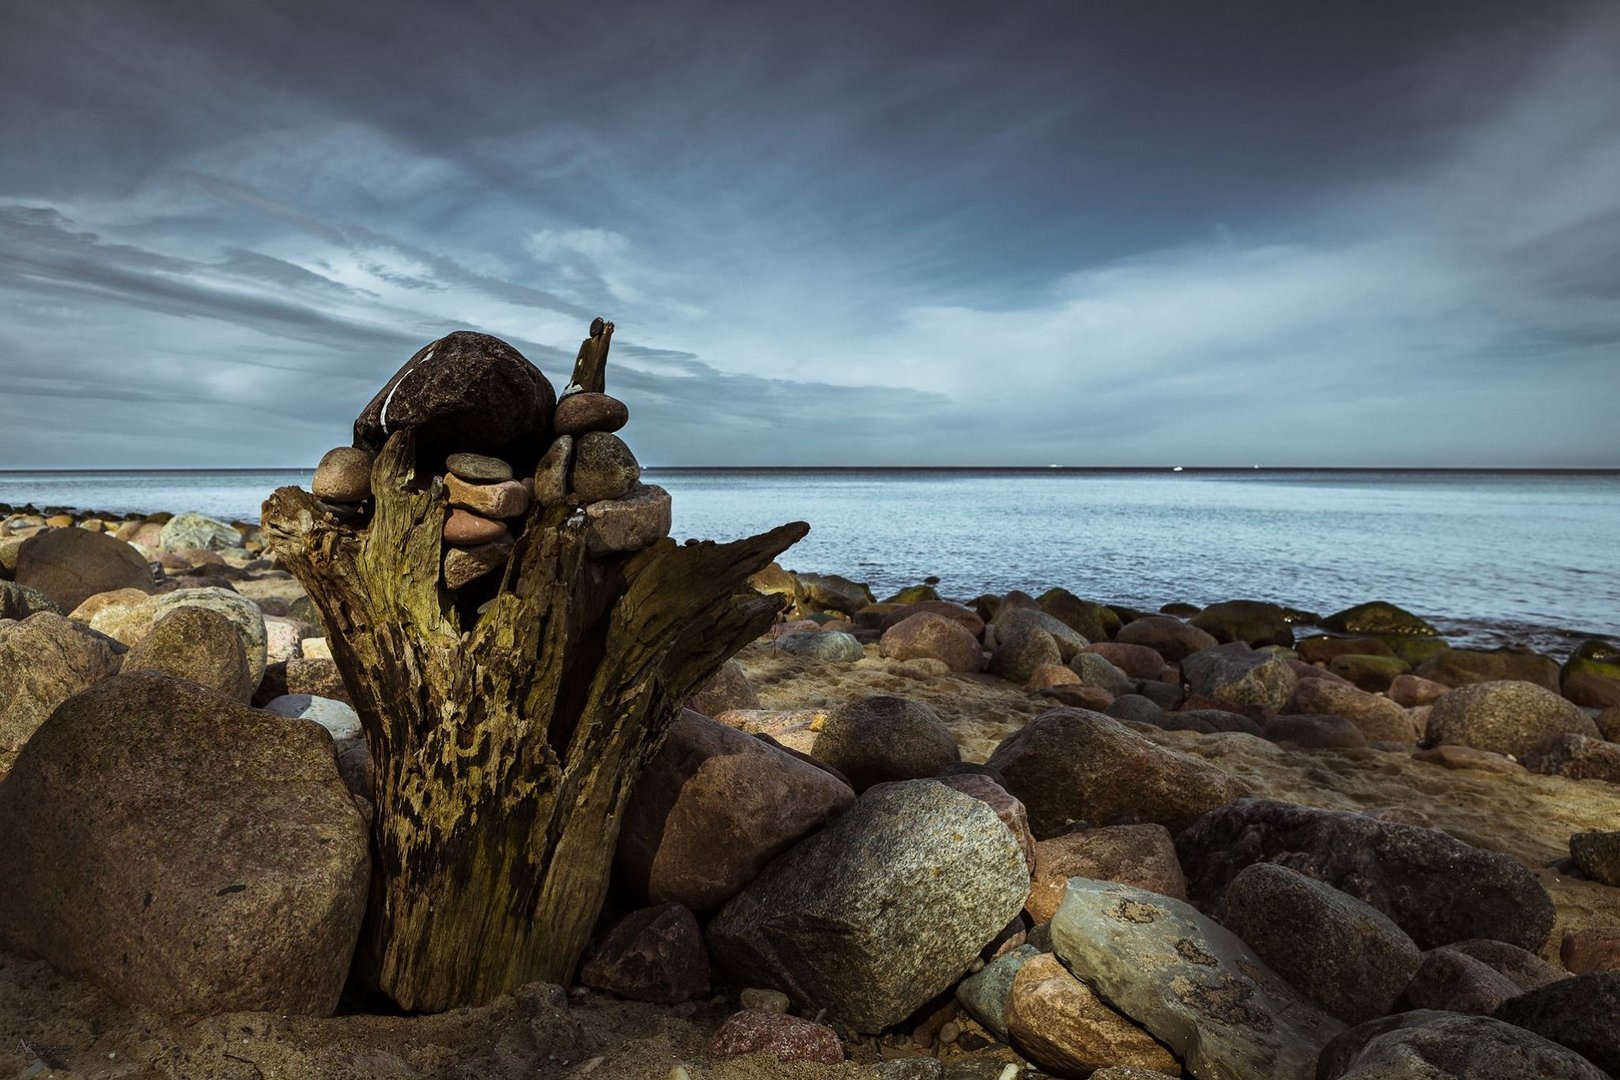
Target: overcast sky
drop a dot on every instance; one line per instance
(1134, 232)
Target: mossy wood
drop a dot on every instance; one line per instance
(505, 751)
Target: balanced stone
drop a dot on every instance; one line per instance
(505, 499)
(630, 523)
(463, 392)
(578, 414)
(343, 476)
(463, 566)
(551, 475)
(466, 529)
(604, 468)
(478, 468)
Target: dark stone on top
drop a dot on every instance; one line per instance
(582, 413)
(1378, 617)
(466, 392)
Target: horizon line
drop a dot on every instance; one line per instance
(1541, 469)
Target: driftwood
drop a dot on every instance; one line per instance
(505, 743)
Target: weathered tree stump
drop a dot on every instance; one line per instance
(506, 742)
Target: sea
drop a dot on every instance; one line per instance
(1528, 558)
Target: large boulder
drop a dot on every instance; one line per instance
(1169, 637)
(19, 601)
(132, 618)
(71, 565)
(927, 635)
(183, 852)
(44, 660)
(1090, 620)
(1591, 675)
(1194, 985)
(873, 740)
(465, 392)
(1022, 651)
(1504, 717)
(1430, 1045)
(1463, 667)
(712, 808)
(728, 688)
(1075, 765)
(1436, 888)
(1011, 621)
(1345, 956)
(1578, 757)
(882, 910)
(832, 592)
(1375, 716)
(1252, 621)
(199, 645)
(1378, 618)
(198, 532)
(1578, 1012)
(1240, 676)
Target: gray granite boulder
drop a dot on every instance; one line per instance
(44, 660)
(872, 740)
(189, 531)
(1504, 717)
(183, 852)
(882, 910)
(1194, 985)
(1429, 1045)
(1239, 675)
(1346, 957)
(1433, 886)
(1582, 1013)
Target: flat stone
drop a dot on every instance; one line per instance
(1466, 757)
(1057, 1022)
(478, 468)
(466, 529)
(506, 499)
(582, 413)
(463, 566)
(343, 475)
(636, 521)
(788, 1038)
(1194, 985)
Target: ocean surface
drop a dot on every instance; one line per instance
(1528, 558)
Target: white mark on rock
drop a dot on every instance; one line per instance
(383, 417)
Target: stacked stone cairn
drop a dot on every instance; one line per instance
(460, 395)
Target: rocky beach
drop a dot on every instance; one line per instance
(906, 836)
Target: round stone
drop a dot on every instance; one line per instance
(578, 414)
(478, 468)
(469, 530)
(343, 476)
(604, 468)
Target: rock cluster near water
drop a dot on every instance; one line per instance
(1093, 891)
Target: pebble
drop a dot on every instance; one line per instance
(463, 566)
(582, 413)
(465, 529)
(505, 499)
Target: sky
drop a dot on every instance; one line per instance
(912, 233)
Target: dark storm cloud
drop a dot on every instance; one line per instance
(1087, 233)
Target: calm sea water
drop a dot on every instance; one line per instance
(1531, 558)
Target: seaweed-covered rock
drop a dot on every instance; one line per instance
(1379, 618)
(1253, 621)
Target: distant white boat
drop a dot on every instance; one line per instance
(1176, 469)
